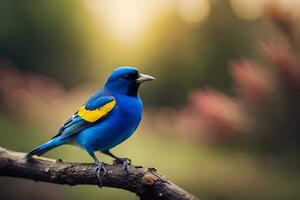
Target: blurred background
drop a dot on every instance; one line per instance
(222, 119)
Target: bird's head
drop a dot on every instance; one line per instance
(126, 80)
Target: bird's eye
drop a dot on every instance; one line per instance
(127, 77)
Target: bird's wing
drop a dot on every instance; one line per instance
(95, 109)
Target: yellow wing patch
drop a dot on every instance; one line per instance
(94, 115)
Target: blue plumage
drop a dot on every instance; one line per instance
(107, 119)
(120, 123)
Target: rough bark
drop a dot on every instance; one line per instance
(144, 182)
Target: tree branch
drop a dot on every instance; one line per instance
(145, 183)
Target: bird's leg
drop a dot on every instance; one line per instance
(100, 167)
(124, 161)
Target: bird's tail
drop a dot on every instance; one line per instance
(55, 142)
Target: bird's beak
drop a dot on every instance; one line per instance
(144, 77)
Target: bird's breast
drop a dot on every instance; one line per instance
(131, 108)
(120, 125)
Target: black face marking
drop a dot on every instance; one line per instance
(128, 77)
(133, 89)
(124, 81)
(133, 85)
(131, 76)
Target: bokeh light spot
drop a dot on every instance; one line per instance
(248, 10)
(124, 20)
(194, 11)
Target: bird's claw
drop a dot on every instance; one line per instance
(100, 167)
(125, 163)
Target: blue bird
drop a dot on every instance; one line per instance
(107, 119)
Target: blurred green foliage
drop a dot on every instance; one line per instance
(45, 37)
(60, 39)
